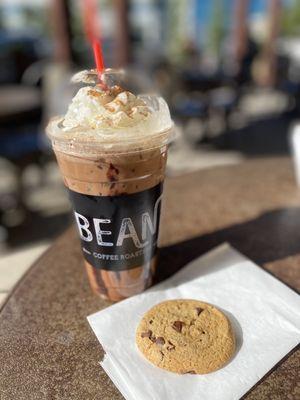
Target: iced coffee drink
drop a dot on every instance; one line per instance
(111, 147)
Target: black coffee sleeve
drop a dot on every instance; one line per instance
(118, 232)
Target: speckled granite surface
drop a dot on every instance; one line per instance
(47, 350)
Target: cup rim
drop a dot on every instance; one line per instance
(127, 145)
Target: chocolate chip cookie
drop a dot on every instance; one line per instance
(186, 336)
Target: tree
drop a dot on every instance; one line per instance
(216, 29)
(291, 19)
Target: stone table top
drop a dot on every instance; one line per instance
(47, 349)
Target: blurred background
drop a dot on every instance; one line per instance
(229, 69)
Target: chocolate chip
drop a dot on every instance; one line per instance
(147, 334)
(151, 321)
(190, 372)
(160, 341)
(113, 168)
(199, 310)
(177, 325)
(112, 172)
(170, 346)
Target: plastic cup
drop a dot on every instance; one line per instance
(116, 192)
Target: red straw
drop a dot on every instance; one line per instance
(92, 29)
(98, 55)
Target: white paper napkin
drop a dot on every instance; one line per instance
(264, 313)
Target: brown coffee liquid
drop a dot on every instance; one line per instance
(113, 175)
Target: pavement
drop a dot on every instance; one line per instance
(14, 265)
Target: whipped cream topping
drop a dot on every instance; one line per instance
(94, 108)
(109, 117)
